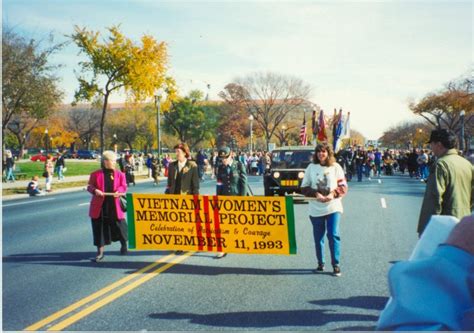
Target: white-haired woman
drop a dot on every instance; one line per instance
(108, 220)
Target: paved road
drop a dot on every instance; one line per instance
(47, 247)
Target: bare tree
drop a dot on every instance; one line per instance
(85, 120)
(268, 97)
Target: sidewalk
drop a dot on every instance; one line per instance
(24, 183)
(85, 178)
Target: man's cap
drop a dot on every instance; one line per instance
(224, 152)
(441, 135)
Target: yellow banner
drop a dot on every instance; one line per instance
(231, 224)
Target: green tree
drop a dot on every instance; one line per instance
(191, 120)
(29, 90)
(117, 64)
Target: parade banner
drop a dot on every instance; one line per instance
(230, 224)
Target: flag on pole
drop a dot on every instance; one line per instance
(303, 138)
(347, 127)
(337, 131)
(322, 128)
(314, 126)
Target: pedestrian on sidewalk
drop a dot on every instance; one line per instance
(10, 166)
(166, 164)
(48, 172)
(129, 166)
(107, 216)
(324, 181)
(155, 170)
(148, 164)
(231, 178)
(60, 165)
(33, 188)
(450, 184)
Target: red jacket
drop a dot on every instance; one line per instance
(96, 181)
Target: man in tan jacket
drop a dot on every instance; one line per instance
(449, 188)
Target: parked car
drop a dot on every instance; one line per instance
(87, 154)
(287, 170)
(33, 151)
(70, 154)
(40, 158)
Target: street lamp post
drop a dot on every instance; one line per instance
(115, 143)
(461, 141)
(158, 124)
(46, 140)
(251, 134)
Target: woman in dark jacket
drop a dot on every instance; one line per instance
(183, 176)
(108, 220)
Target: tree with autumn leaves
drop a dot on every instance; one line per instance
(117, 64)
(30, 93)
(442, 109)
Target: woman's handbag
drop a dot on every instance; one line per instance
(123, 203)
(46, 174)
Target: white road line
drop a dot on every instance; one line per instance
(27, 202)
(85, 203)
(383, 202)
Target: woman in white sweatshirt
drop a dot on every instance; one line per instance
(324, 181)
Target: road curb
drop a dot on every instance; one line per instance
(65, 190)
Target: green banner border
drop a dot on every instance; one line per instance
(131, 221)
(290, 217)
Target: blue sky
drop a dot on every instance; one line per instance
(369, 57)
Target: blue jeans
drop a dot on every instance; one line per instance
(359, 172)
(60, 172)
(378, 167)
(319, 231)
(424, 171)
(10, 175)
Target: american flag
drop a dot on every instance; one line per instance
(303, 138)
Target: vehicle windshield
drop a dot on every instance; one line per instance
(284, 159)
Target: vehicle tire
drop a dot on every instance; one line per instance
(268, 192)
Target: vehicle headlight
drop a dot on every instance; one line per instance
(276, 174)
(301, 175)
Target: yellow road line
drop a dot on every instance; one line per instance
(106, 300)
(95, 295)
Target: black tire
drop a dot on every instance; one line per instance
(268, 192)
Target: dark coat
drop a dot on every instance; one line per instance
(233, 182)
(189, 178)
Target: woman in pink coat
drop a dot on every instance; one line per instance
(108, 219)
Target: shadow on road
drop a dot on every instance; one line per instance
(362, 302)
(262, 319)
(113, 260)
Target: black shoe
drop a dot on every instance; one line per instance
(320, 268)
(99, 258)
(123, 250)
(336, 271)
(178, 252)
